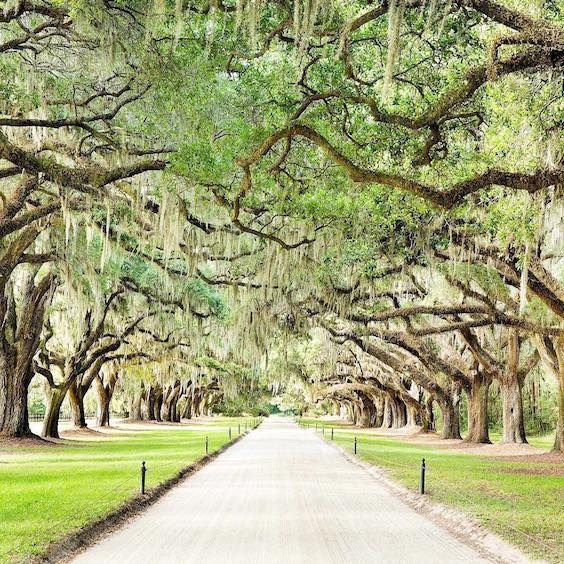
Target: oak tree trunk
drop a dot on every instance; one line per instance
(379, 418)
(478, 431)
(412, 414)
(430, 414)
(149, 404)
(399, 415)
(513, 419)
(559, 439)
(364, 416)
(76, 401)
(135, 406)
(188, 408)
(19, 341)
(157, 406)
(387, 417)
(103, 399)
(170, 397)
(14, 421)
(51, 420)
(451, 419)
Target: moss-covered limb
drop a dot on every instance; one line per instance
(81, 179)
(445, 198)
(540, 281)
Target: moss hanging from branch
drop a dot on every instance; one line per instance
(395, 18)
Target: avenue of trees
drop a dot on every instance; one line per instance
(350, 202)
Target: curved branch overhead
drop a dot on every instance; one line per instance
(214, 203)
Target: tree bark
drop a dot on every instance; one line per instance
(364, 415)
(76, 401)
(175, 412)
(14, 420)
(103, 399)
(451, 419)
(513, 419)
(478, 430)
(149, 404)
(387, 417)
(54, 402)
(559, 439)
(135, 412)
(552, 356)
(430, 414)
(196, 401)
(379, 405)
(412, 415)
(157, 405)
(188, 408)
(511, 392)
(367, 411)
(19, 341)
(170, 397)
(399, 414)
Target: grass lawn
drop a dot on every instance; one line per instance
(519, 500)
(49, 491)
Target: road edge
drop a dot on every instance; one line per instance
(473, 533)
(70, 545)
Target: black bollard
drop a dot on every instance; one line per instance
(239, 429)
(229, 433)
(355, 445)
(332, 433)
(323, 430)
(207, 444)
(422, 477)
(143, 472)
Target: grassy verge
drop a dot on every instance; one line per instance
(520, 500)
(48, 491)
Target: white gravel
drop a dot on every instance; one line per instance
(280, 495)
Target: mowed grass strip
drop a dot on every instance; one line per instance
(522, 501)
(49, 491)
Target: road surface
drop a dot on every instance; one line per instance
(280, 495)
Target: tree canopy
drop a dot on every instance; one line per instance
(207, 202)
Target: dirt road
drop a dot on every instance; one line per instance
(280, 495)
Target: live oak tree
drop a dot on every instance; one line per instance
(388, 174)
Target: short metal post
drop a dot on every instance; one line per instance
(355, 445)
(316, 426)
(239, 429)
(207, 444)
(332, 433)
(143, 472)
(323, 430)
(422, 477)
(229, 433)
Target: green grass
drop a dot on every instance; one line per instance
(49, 491)
(524, 507)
